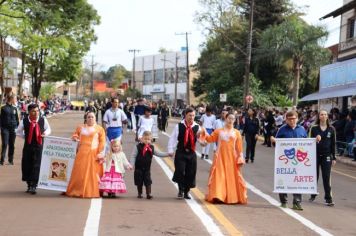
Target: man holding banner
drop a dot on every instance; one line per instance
(290, 130)
(33, 128)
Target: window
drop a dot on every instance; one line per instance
(159, 76)
(169, 78)
(351, 28)
(182, 74)
(147, 77)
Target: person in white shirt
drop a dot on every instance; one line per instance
(207, 121)
(145, 122)
(279, 119)
(113, 120)
(219, 123)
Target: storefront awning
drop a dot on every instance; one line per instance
(330, 93)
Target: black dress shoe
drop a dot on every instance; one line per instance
(180, 194)
(32, 190)
(186, 196)
(28, 189)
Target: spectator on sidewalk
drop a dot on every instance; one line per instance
(9, 122)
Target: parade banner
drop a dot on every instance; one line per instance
(295, 166)
(58, 157)
(155, 127)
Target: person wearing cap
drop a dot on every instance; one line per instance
(145, 122)
(33, 128)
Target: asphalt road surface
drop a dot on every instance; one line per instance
(50, 213)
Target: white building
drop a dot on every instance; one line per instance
(12, 72)
(155, 76)
(338, 80)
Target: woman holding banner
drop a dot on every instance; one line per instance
(325, 135)
(87, 169)
(226, 183)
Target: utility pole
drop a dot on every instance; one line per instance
(248, 56)
(176, 82)
(187, 65)
(133, 66)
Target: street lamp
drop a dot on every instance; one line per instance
(175, 79)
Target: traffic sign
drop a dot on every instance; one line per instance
(223, 97)
(249, 99)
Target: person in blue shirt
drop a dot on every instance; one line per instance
(291, 130)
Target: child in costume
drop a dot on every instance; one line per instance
(145, 123)
(115, 163)
(142, 158)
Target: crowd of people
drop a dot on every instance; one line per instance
(100, 162)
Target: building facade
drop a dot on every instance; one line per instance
(155, 76)
(338, 80)
(12, 72)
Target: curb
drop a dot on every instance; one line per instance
(346, 160)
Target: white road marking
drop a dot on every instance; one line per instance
(207, 221)
(275, 203)
(93, 220)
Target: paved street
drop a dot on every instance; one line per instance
(49, 213)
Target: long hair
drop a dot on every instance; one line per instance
(317, 122)
(112, 142)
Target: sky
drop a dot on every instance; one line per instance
(148, 25)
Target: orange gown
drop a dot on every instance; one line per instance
(87, 171)
(226, 183)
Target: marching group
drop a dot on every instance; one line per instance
(100, 162)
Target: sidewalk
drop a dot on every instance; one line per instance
(346, 160)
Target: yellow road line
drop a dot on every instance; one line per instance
(342, 173)
(218, 215)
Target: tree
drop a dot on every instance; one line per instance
(116, 74)
(221, 64)
(8, 28)
(294, 43)
(58, 34)
(47, 91)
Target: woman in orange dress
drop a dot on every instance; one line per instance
(226, 183)
(87, 169)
